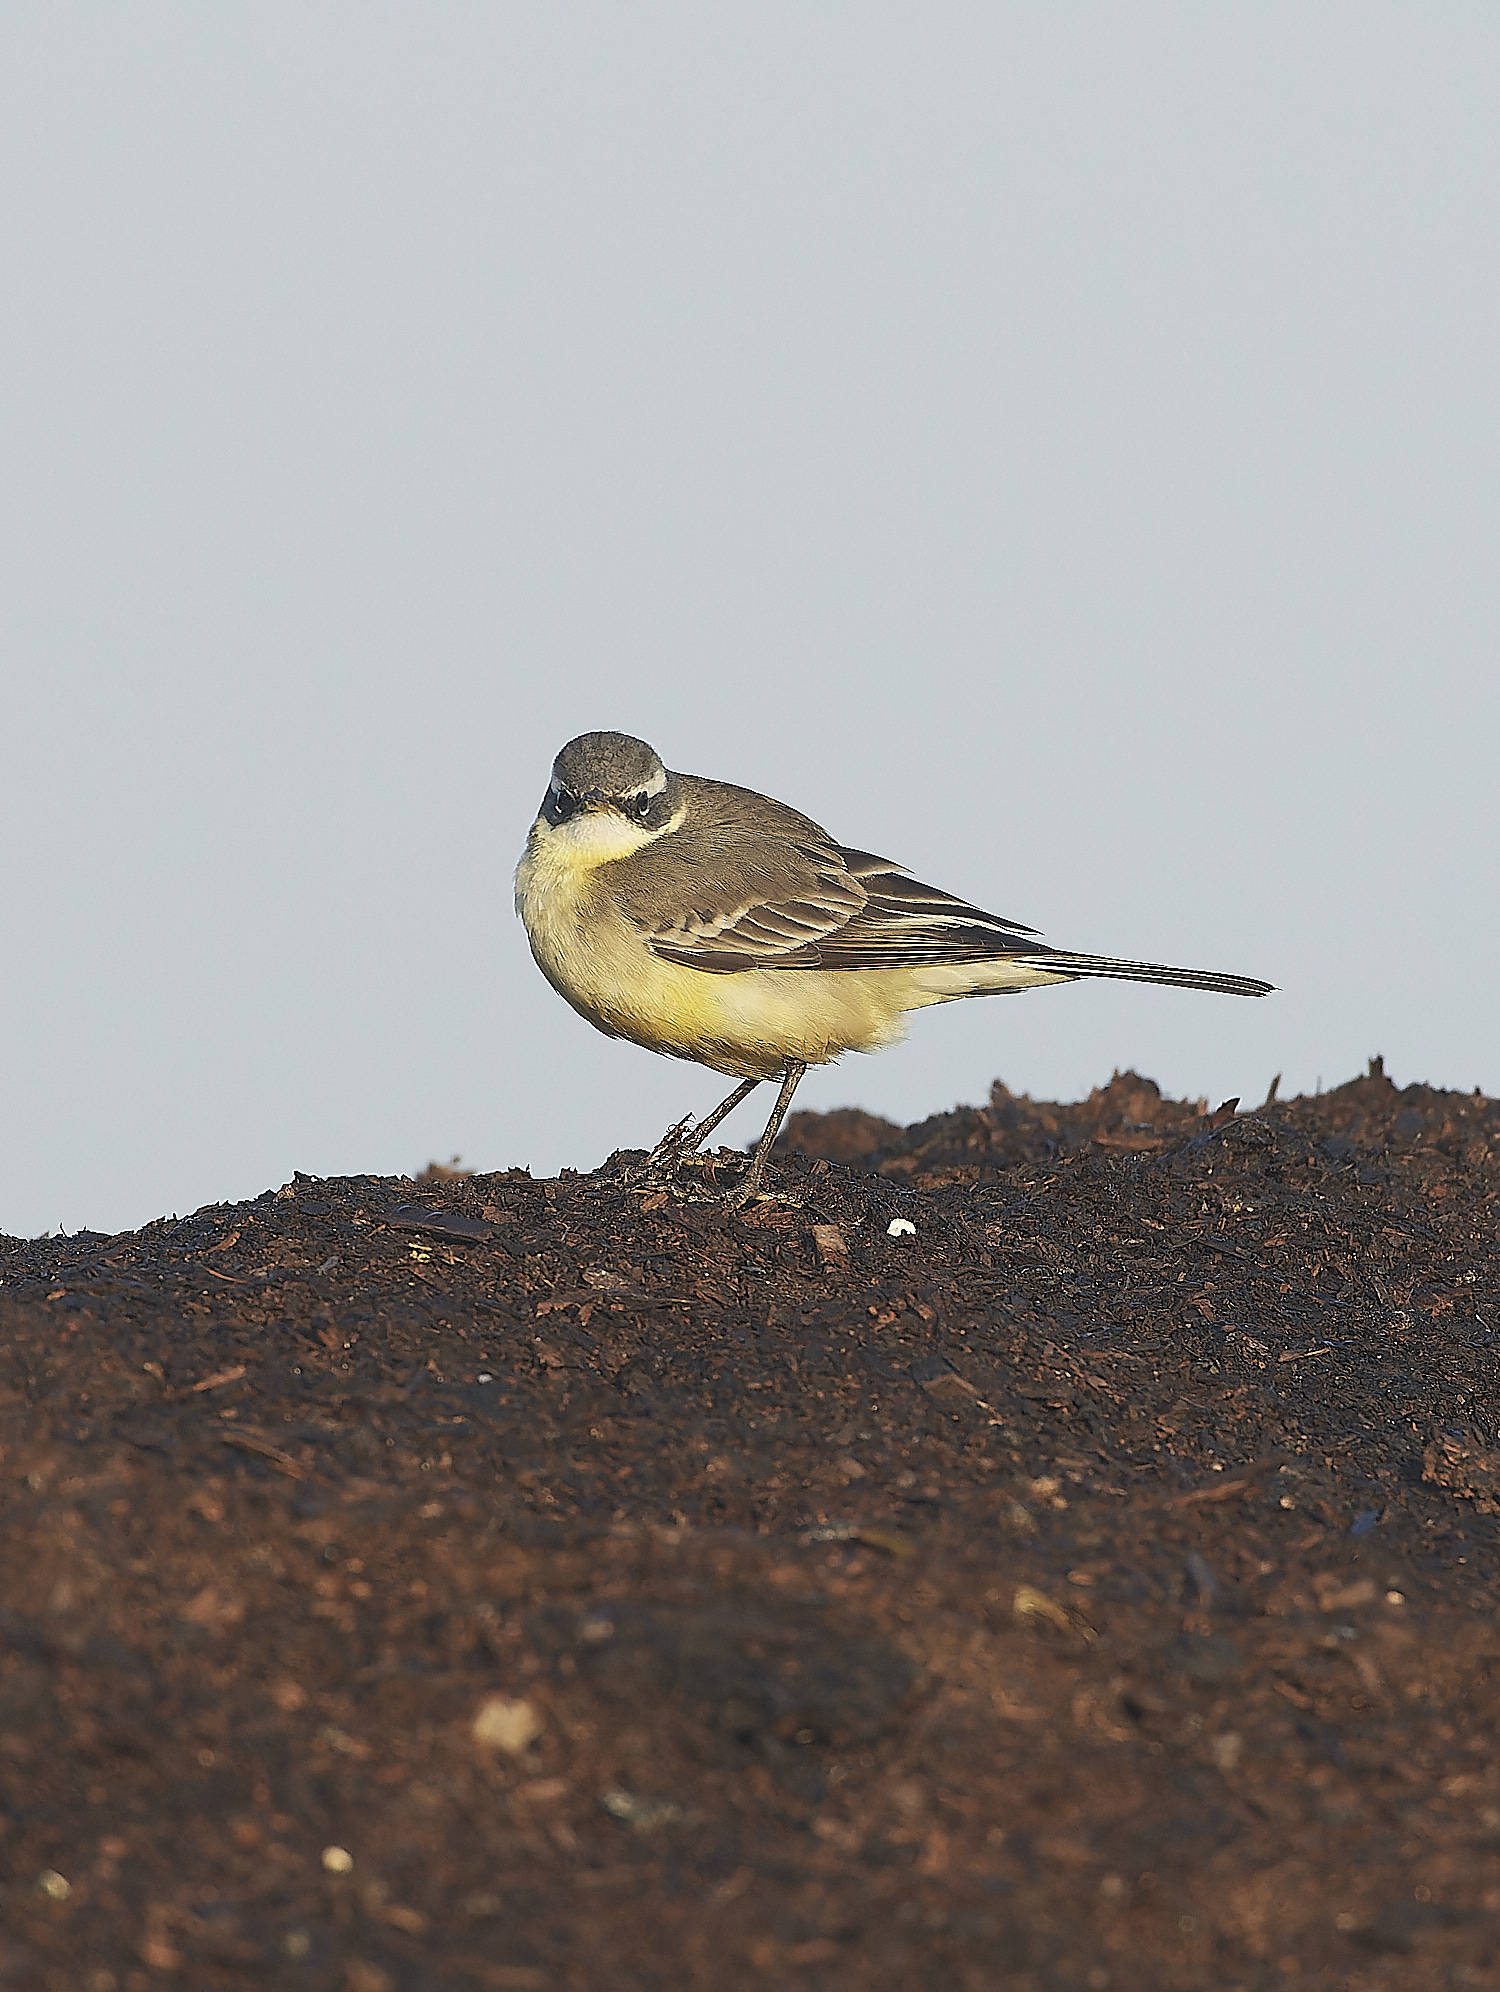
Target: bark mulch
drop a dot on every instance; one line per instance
(473, 1582)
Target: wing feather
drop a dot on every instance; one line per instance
(845, 909)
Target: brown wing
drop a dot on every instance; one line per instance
(822, 906)
(774, 907)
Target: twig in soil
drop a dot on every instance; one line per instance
(886, 1539)
(253, 1442)
(1233, 1483)
(218, 1378)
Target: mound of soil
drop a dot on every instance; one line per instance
(1060, 1552)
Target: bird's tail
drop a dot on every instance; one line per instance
(1057, 961)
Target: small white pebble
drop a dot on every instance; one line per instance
(900, 1227)
(50, 1883)
(1395, 1597)
(511, 1726)
(337, 1860)
(484, 1376)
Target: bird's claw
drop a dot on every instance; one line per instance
(750, 1189)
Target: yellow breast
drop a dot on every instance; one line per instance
(590, 953)
(749, 1025)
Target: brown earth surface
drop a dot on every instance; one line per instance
(484, 1583)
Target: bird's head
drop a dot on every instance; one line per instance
(603, 782)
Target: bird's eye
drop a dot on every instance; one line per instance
(642, 805)
(563, 803)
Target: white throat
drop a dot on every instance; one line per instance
(596, 837)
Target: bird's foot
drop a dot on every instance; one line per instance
(749, 1189)
(687, 1177)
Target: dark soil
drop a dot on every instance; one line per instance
(478, 1582)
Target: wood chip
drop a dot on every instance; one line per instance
(450, 1224)
(223, 1376)
(253, 1442)
(830, 1243)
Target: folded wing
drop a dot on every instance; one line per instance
(845, 909)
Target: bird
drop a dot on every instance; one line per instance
(710, 923)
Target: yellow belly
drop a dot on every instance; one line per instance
(749, 1025)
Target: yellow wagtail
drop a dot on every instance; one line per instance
(711, 923)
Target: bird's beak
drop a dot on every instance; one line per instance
(595, 802)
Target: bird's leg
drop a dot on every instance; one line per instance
(677, 1143)
(722, 1111)
(748, 1188)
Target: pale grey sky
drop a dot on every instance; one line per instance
(1056, 447)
